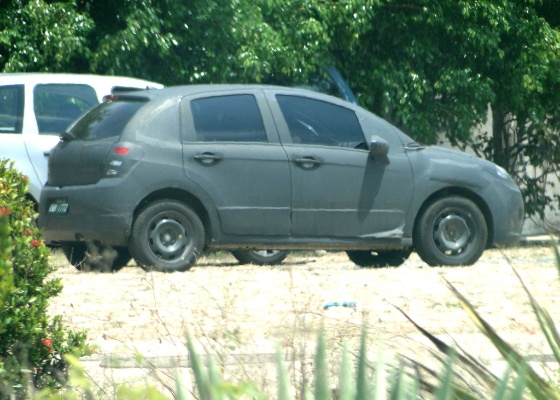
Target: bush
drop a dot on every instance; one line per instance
(31, 343)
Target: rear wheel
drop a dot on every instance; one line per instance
(381, 258)
(451, 231)
(92, 256)
(260, 257)
(167, 236)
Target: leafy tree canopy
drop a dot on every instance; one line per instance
(432, 67)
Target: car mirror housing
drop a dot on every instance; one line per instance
(378, 147)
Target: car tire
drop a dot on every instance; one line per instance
(377, 259)
(451, 231)
(166, 236)
(90, 256)
(260, 257)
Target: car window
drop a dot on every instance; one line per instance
(11, 108)
(106, 120)
(315, 122)
(231, 118)
(57, 105)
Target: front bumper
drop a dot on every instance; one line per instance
(508, 212)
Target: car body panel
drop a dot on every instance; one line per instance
(237, 175)
(337, 189)
(441, 170)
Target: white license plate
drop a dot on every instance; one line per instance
(59, 207)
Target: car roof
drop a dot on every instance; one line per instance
(188, 90)
(64, 78)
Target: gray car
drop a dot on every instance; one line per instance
(164, 175)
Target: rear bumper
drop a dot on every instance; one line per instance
(98, 212)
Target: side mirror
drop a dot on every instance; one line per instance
(379, 147)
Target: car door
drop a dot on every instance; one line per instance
(13, 144)
(338, 189)
(231, 150)
(55, 107)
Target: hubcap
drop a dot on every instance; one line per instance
(168, 239)
(452, 234)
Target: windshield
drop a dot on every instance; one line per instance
(106, 120)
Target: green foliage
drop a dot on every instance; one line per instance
(40, 35)
(438, 67)
(31, 343)
(431, 67)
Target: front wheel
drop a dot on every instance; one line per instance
(451, 231)
(381, 258)
(166, 236)
(260, 257)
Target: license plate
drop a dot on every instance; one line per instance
(58, 207)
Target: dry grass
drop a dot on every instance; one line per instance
(241, 313)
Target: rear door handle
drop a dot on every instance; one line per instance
(208, 158)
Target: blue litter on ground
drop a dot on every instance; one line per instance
(347, 304)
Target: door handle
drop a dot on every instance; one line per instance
(47, 153)
(307, 162)
(208, 158)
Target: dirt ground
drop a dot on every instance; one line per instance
(241, 313)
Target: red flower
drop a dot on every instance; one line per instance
(4, 211)
(48, 344)
(36, 243)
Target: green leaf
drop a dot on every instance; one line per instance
(322, 387)
(363, 391)
(200, 376)
(283, 378)
(346, 387)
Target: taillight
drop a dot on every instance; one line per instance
(121, 150)
(122, 158)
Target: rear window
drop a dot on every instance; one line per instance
(106, 120)
(57, 105)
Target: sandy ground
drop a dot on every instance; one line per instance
(241, 313)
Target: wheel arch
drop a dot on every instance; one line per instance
(468, 194)
(184, 197)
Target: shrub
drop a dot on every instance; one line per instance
(31, 343)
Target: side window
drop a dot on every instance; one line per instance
(317, 122)
(57, 105)
(11, 108)
(232, 118)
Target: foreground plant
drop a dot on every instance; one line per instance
(31, 343)
(520, 376)
(462, 375)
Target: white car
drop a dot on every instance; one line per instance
(35, 108)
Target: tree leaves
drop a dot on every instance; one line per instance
(433, 68)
